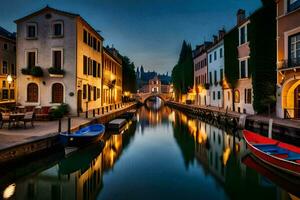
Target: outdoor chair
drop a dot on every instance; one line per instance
(28, 118)
(5, 119)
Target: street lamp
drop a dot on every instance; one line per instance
(9, 80)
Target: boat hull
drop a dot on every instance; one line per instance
(279, 163)
(81, 139)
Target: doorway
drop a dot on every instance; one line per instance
(79, 101)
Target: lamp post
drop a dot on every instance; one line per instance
(9, 80)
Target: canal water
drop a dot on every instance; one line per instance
(164, 154)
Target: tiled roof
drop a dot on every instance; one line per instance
(6, 34)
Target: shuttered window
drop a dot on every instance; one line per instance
(32, 92)
(57, 93)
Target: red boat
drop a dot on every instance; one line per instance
(281, 155)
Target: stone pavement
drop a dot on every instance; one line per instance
(42, 129)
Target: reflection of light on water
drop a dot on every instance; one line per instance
(9, 191)
(172, 117)
(137, 117)
(226, 155)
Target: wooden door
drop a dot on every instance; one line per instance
(297, 102)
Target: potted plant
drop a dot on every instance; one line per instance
(56, 72)
(35, 71)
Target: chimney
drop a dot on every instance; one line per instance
(241, 16)
(215, 38)
(221, 33)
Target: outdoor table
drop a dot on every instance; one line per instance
(16, 117)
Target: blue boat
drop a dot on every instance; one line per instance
(84, 136)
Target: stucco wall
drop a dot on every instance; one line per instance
(43, 45)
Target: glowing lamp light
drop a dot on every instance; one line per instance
(9, 79)
(9, 191)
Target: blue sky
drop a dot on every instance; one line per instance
(149, 32)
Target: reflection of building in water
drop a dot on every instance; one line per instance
(148, 117)
(70, 181)
(220, 154)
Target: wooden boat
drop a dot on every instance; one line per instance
(84, 136)
(280, 155)
(116, 124)
(129, 114)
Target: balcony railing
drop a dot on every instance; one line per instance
(290, 63)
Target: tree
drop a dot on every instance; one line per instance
(128, 75)
(183, 71)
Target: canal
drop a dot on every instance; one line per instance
(164, 154)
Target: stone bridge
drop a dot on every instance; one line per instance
(143, 97)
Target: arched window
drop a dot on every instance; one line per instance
(57, 93)
(32, 92)
(236, 96)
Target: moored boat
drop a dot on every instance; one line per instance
(278, 154)
(84, 136)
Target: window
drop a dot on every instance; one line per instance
(236, 96)
(293, 5)
(32, 92)
(90, 66)
(89, 93)
(31, 30)
(243, 69)
(57, 93)
(58, 29)
(84, 92)
(215, 55)
(221, 74)
(221, 53)
(12, 94)
(4, 84)
(4, 67)
(85, 65)
(294, 50)
(4, 94)
(13, 69)
(210, 78)
(228, 95)
(214, 95)
(30, 59)
(248, 96)
(216, 79)
(94, 43)
(5, 46)
(85, 36)
(57, 58)
(98, 93)
(94, 68)
(243, 35)
(98, 46)
(95, 93)
(210, 58)
(219, 95)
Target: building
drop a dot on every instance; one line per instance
(200, 73)
(155, 85)
(112, 76)
(288, 59)
(60, 55)
(216, 70)
(7, 66)
(243, 92)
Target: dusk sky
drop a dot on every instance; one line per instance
(149, 32)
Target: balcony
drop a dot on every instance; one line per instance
(293, 63)
(56, 72)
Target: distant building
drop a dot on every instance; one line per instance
(200, 73)
(216, 70)
(60, 55)
(112, 76)
(8, 66)
(288, 59)
(155, 85)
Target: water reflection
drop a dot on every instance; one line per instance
(164, 155)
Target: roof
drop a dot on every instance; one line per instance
(6, 34)
(117, 57)
(50, 9)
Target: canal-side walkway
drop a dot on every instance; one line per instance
(44, 133)
(287, 126)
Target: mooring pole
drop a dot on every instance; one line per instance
(69, 125)
(59, 125)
